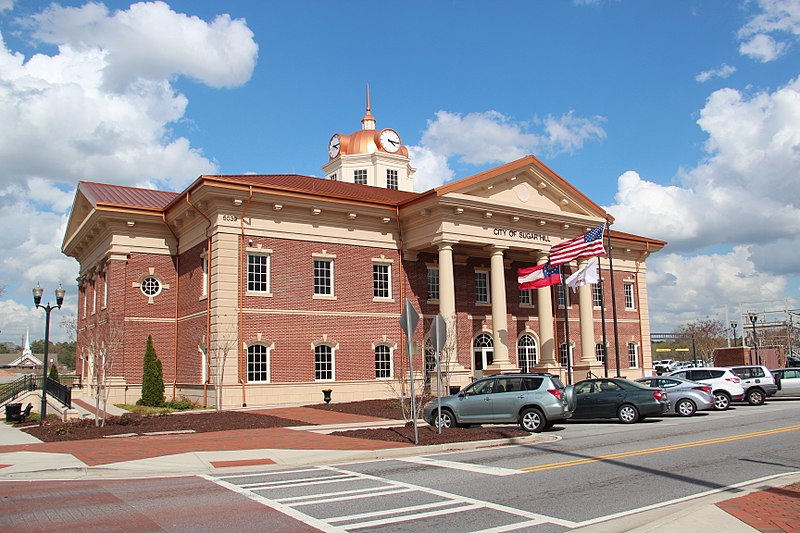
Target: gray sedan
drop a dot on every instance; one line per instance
(788, 381)
(687, 397)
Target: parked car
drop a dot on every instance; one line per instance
(618, 398)
(725, 385)
(665, 365)
(685, 397)
(534, 401)
(787, 381)
(757, 381)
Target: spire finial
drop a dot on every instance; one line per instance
(368, 122)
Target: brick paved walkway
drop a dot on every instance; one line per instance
(772, 510)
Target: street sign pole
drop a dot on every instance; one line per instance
(408, 322)
(439, 333)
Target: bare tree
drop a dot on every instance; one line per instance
(708, 334)
(216, 355)
(103, 344)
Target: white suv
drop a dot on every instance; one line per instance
(725, 385)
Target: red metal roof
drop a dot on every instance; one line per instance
(103, 193)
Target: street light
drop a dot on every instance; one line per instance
(37, 300)
(733, 325)
(753, 318)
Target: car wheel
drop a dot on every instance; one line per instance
(721, 401)
(627, 414)
(685, 407)
(446, 420)
(755, 397)
(532, 420)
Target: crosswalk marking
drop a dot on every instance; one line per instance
(469, 467)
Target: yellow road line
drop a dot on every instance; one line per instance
(634, 453)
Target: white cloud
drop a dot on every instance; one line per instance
(432, 169)
(776, 17)
(6, 5)
(724, 71)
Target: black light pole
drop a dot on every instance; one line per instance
(37, 299)
(753, 319)
(733, 326)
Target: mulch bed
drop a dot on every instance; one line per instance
(428, 435)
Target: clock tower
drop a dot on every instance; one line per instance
(370, 157)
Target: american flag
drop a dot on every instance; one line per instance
(589, 244)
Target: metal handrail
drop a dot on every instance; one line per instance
(30, 382)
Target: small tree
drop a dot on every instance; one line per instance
(152, 377)
(53, 372)
(216, 356)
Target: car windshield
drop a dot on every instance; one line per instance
(633, 384)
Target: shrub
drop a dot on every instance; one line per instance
(152, 378)
(53, 372)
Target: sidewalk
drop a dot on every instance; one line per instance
(761, 506)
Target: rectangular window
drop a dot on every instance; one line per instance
(525, 297)
(482, 287)
(383, 362)
(381, 281)
(600, 352)
(105, 289)
(85, 300)
(391, 179)
(360, 177)
(633, 355)
(333, 177)
(566, 356)
(597, 295)
(323, 363)
(563, 296)
(94, 296)
(629, 303)
(433, 283)
(204, 269)
(323, 277)
(258, 272)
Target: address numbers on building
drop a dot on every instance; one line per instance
(230, 218)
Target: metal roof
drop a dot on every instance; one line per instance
(103, 193)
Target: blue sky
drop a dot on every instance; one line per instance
(681, 118)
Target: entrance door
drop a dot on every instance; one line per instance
(483, 354)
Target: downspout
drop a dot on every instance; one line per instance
(241, 284)
(400, 247)
(177, 298)
(208, 300)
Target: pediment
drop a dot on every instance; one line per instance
(81, 209)
(527, 184)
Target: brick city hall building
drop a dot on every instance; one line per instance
(267, 289)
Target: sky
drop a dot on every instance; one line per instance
(680, 118)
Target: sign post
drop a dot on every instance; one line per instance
(408, 322)
(439, 334)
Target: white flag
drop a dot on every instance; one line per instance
(584, 275)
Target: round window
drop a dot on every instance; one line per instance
(151, 286)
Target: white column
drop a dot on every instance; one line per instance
(499, 312)
(586, 313)
(447, 287)
(544, 303)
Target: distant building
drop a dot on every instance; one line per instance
(302, 280)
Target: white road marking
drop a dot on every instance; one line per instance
(480, 469)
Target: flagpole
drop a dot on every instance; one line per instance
(613, 294)
(566, 330)
(603, 322)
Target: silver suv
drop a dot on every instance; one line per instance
(534, 401)
(757, 381)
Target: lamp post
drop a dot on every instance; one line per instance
(733, 326)
(37, 300)
(753, 319)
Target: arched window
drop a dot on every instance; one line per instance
(483, 350)
(323, 363)
(526, 352)
(257, 363)
(383, 362)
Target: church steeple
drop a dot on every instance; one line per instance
(368, 122)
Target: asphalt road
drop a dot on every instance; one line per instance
(595, 470)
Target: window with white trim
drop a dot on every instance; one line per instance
(94, 295)
(105, 289)
(433, 283)
(566, 354)
(563, 296)
(383, 362)
(482, 295)
(85, 300)
(391, 179)
(323, 277)
(600, 352)
(323, 363)
(257, 363)
(526, 352)
(629, 301)
(525, 297)
(150, 286)
(381, 280)
(204, 272)
(597, 295)
(258, 272)
(633, 355)
(360, 176)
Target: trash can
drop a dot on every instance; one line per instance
(13, 412)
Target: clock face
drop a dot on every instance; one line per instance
(390, 141)
(333, 145)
